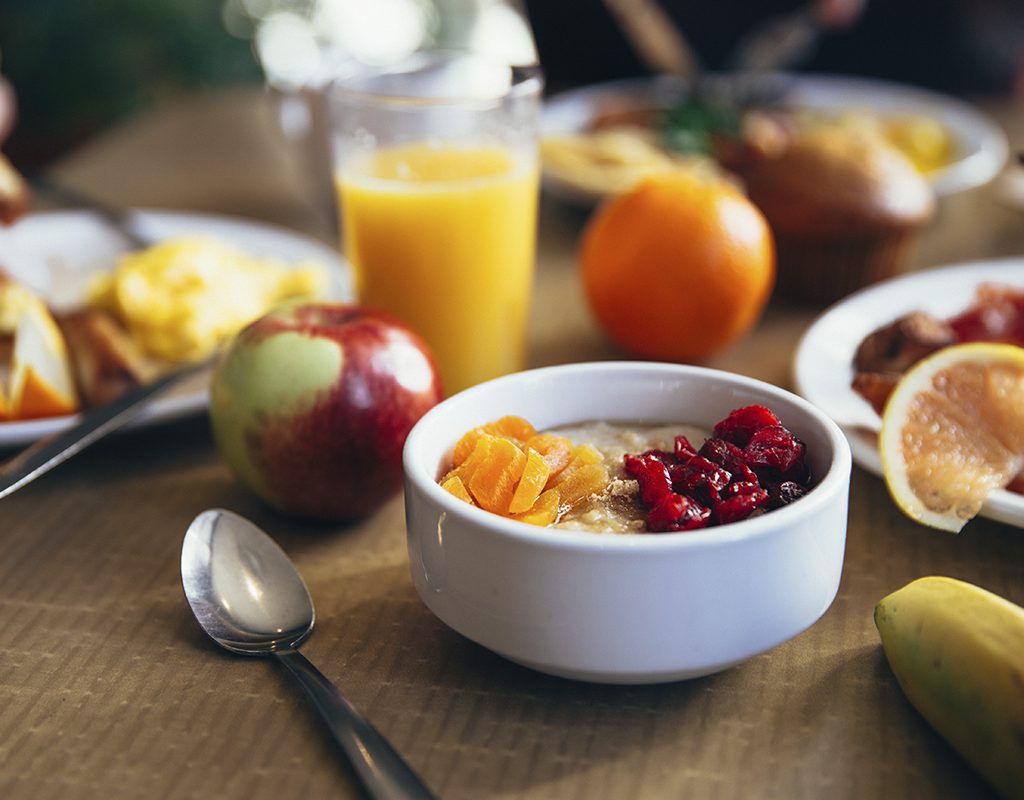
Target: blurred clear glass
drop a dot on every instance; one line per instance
(304, 45)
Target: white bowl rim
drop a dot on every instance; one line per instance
(767, 524)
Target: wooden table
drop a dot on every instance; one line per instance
(109, 689)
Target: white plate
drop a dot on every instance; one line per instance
(58, 252)
(982, 146)
(823, 365)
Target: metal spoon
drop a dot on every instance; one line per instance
(250, 599)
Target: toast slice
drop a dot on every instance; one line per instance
(107, 362)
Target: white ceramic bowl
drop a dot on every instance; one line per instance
(625, 608)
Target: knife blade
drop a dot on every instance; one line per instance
(121, 220)
(39, 458)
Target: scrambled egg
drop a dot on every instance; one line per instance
(924, 140)
(181, 298)
(611, 160)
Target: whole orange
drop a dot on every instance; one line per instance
(679, 267)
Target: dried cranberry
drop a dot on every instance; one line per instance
(699, 479)
(752, 464)
(651, 474)
(683, 449)
(744, 474)
(728, 456)
(716, 474)
(693, 485)
(799, 473)
(742, 423)
(739, 501)
(774, 447)
(673, 512)
(660, 455)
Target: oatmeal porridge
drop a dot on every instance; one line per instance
(617, 477)
(619, 508)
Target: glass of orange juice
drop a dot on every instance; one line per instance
(437, 182)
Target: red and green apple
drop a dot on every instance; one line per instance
(311, 404)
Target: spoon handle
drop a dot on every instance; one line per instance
(384, 773)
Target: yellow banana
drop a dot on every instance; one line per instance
(957, 651)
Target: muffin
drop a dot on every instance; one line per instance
(844, 206)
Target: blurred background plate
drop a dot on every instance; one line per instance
(981, 144)
(823, 362)
(57, 253)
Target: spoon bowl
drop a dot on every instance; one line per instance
(242, 587)
(249, 598)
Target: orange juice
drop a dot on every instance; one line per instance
(443, 238)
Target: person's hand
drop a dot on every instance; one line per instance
(14, 196)
(838, 14)
(7, 109)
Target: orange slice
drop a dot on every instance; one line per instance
(953, 432)
(38, 380)
(41, 381)
(40, 399)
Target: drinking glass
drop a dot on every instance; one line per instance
(436, 171)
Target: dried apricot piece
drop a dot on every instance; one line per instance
(480, 453)
(454, 472)
(453, 484)
(512, 427)
(582, 482)
(544, 511)
(509, 426)
(535, 476)
(557, 450)
(465, 446)
(494, 480)
(507, 468)
(582, 455)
